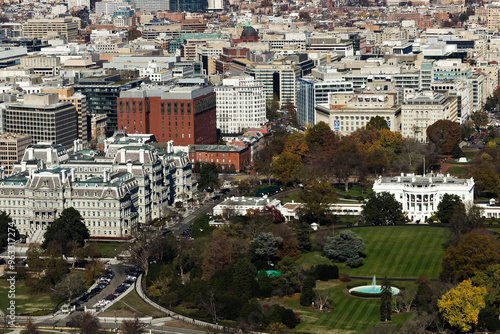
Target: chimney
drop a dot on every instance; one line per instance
(77, 145)
(73, 178)
(141, 155)
(129, 167)
(63, 176)
(49, 155)
(2, 173)
(30, 153)
(105, 175)
(122, 152)
(23, 166)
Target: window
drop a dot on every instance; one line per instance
(163, 108)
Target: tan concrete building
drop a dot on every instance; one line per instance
(67, 94)
(49, 28)
(493, 18)
(420, 110)
(12, 147)
(358, 112)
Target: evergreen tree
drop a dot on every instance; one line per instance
(385, 300)
(307, 294)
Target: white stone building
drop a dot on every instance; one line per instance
(129, 184)
(241, 105)
(421, 195)
(241, 205)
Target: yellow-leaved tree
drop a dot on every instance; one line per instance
(460, 306)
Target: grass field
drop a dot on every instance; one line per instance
(111, 249)
(131, 305)
(347, 314)
(290, 197)
(470, 154)
(458, 171)
(25, 302)
(400, 251)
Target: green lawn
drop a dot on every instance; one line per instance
(347, 315)
(309, 260)
(456, 170)
(470, 154)
(400, 251)
(290, 197)
(25, 302)
(131, 305)
(354, 191)
(111, 249)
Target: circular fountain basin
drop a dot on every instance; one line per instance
(373, 289)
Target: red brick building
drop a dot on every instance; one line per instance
(228, 157)
(186, 115)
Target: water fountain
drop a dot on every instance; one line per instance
(373, 289)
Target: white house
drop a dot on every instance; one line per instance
(420, 195)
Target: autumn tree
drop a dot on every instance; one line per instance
(480, 118)
(69, 287)
(445, 134)
(262, 160)
(88, 323)
(391, 140)
(319, 134)
(272, 108)
(474, 253)
(286, 167)
(218, 254)
(347, 160)
(146, 247)
(131, 326)
(296, 144)
(31, 327)
(317, 198)
(461, 306)
(487, 178)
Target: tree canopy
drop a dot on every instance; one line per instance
(382, 207)
(449, 204)
(66, 231)
(461, 306)
(474, 253)
(317, 198)
(7, 230)
(445, 134)
(345, 247)
(378, 123)
(209, 176)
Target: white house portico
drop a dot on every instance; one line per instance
(421, 195)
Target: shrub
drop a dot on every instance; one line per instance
(344, 278)
(347, 196)
(361, 198)
(325, 272)
(355, 262)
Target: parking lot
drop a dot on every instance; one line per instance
(110, 286)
